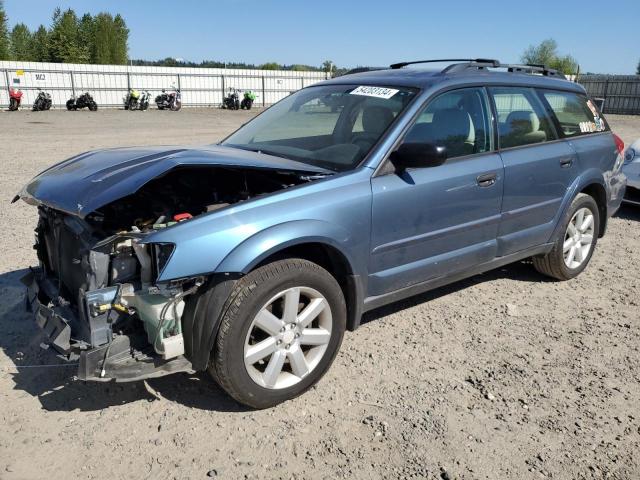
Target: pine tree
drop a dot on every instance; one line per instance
(86, 32)
(40, 45)
(4, 34)
(65, 39)
(21, 43)
(120, 47)
(103, 38)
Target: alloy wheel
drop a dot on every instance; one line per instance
(288, 338)
(578, 238)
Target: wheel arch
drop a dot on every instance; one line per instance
(599, 194)
(202, 313)
(321, 242)
(591, 183)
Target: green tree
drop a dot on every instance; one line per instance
(5, 51)
(66, 46)
(328, 66)
(86, 36)
(120, 43)
(546, 53)
(270, 66)
(40, 45)
(103, 38)
(21, 43)
(638, 69)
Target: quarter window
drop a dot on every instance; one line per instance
(576, 114)
(521, 118)
(458, 120)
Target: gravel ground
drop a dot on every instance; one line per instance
(504, 375)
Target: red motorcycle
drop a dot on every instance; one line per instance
(15, 97)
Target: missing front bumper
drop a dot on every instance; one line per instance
(125, 358)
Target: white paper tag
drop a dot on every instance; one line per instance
(378, 92)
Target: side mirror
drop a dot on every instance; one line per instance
(418, 155)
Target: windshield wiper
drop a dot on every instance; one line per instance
(262, 151)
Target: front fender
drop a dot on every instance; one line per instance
(255, 249)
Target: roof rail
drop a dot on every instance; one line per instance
(469, 60)
(363, 69)
(486, 63)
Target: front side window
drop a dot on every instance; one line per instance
(576, 114)
(329, 126)
(458, 120)
(521, 118)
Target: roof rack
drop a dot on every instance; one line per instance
(486, 63)
(363, 69)
(468, 60)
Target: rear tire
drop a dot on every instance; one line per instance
(574, 247)
(267, 289)
(13, 105)
(71, 105)
(93, 106)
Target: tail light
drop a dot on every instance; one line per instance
(619, 144)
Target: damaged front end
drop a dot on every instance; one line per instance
(96, 293)
(96, 303)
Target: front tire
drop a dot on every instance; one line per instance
(13, 105)
(280, 331)
(573, 249)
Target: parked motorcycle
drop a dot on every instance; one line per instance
(169, 101)
(42, 102)
(232, 100)
(247, 100)
(135, 100)
(15, 98)
(84, 100)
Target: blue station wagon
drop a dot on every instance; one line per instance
(250, 258)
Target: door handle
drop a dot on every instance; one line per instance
(487, 179)
(566, 162)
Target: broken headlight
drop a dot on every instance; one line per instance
(160, 255)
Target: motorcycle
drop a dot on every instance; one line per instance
(84, 100)
(15, 98)
(232, 100)
(171, 101)
(134, 100)
(247, 100)
(42, 101)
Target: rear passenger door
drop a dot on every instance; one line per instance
(539, 168)
(582, 126)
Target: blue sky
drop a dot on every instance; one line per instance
(603, 36)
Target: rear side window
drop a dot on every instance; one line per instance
(522, 120)
(576, 114)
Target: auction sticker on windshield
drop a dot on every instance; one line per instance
(378, 92)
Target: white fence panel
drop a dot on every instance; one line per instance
(108, 84)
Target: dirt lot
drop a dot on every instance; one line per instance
(505, 375)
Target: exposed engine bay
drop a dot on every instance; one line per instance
(188, 191)
(95, 293)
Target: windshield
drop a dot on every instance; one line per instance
(328, 126)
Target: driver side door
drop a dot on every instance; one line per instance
(436, 221)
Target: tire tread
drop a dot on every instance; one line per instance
(242, 290)
(552, 264)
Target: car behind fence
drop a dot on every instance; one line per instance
(109, 83)
(614, 93)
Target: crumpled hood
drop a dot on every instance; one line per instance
(86, 182)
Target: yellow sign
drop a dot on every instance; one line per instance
(19, 73)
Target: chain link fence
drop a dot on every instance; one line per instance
(108, 84)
